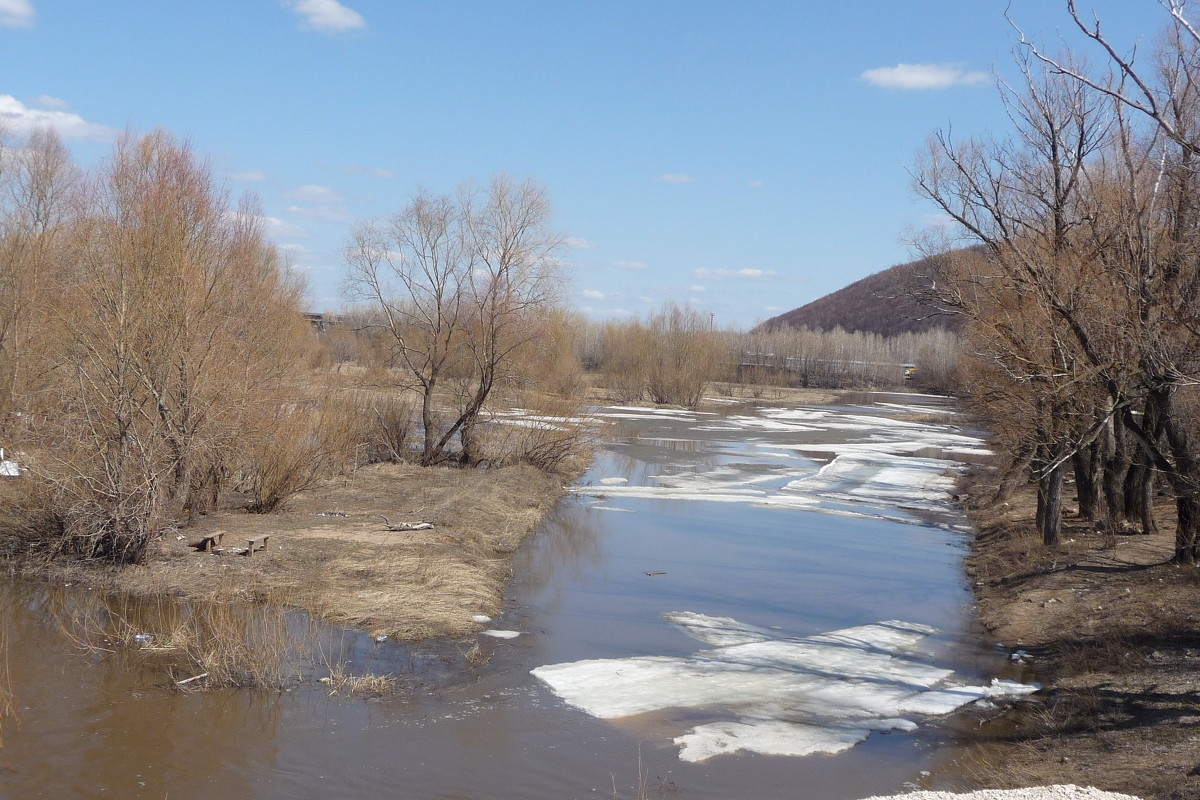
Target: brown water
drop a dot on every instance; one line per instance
(93, 726)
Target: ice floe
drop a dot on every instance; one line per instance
(501, 634)
(881, 469)
(774, 694)
(881, 479)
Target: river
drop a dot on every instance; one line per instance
(780, 524)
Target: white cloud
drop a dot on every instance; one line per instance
(696, 287)
(52, 103)
(752, 274)
(311, 193)
(630, 265)
(251, 176)
(576, 243)
(21, 120)
(592, 294)
(279, 227)
(923, 76)
(674, 178)
(325, 15)
(321, 213)
(374, 172)
(16, 13)
(756, 184)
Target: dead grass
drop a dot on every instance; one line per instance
(8, 705)
(1113, 633)
(330, 555)
(342, 682)
(202, 644)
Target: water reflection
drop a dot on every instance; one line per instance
(93, 727)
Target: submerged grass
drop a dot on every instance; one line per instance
(8, 706)
(206, 644)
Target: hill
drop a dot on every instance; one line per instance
(882, 303)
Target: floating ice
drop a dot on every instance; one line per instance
(882, 479)
(881, 470)
(612, 481)
(501, 634)
(786, 696)
(610, 508)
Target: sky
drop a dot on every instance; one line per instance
(743, 158)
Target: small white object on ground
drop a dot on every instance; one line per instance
(1057, 792)
(502, 634)
(482, 619)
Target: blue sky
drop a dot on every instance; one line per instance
(743, 157)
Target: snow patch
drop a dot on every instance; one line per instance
(788, 696)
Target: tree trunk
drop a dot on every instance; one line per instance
(1187, 531)
(1050, 506)
(1116, 464)
(429, 450)
(1087, 467)
(1139, 495)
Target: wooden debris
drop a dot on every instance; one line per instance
(405, 526)
(652, 574)
(193, 678)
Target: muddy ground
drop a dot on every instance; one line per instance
(330, 552)
(1110, 627)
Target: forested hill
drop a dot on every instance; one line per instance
(881, 303)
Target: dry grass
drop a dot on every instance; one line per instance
(343, 683)
(8, 704)
(330, 555)
(197, 645)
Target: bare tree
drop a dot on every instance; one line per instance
(460, 284)
(167, 327)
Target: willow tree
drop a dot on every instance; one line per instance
(1118, 299)
(169, 332)
(1024, 199)
(461, 286)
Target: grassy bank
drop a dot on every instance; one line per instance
(1111, 629)
(330, 553)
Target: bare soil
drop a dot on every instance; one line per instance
(1111, 629)
(330, 553)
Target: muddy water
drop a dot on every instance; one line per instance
(92, 726)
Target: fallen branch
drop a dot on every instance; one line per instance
(405, 526)
(193, 678)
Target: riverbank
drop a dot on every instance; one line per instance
(1110, 627)
(331, 553)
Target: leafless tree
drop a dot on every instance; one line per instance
(460, 285)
